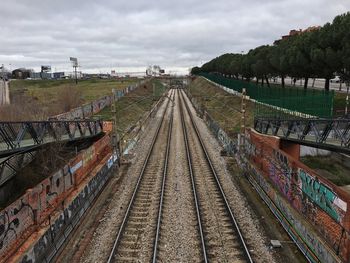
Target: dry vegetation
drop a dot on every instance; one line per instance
(223, 107)
(24, 107)
(132, 107)
(39, 99)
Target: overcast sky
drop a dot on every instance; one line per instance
(129, 35)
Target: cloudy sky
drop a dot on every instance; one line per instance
(129, 35)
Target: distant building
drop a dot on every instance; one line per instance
(79, 75)
(294, 32)
(40, 75)
(35, 75)
(59, 75)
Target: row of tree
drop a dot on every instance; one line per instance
(320, 53)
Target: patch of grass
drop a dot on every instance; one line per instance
(47, 94)
(91, 89)
(131, 107)
(339, 104)
(223, 107)
(328, 167)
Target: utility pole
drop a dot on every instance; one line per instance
(115, 137)
(75, 71)
(243, 123)
(347, 98)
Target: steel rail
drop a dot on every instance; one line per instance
(195, 195)
(145, 163)
(165, 171)
(241, 238)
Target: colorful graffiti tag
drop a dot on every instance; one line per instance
(322, 195)
(18, 220)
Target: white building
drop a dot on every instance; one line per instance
(154, 70)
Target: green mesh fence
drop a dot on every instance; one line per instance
(278, 102)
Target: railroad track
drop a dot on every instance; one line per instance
(221, 238)
(144, 232)
(135, 238)
(178, 237)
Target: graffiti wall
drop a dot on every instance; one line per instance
(46, 247)
(321, 203)
(21, 218)
(313, 211)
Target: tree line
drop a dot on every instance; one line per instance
(320, 53)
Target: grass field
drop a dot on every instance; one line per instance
(91, 89)
(131, 107)
(39, 99)
(330, 168)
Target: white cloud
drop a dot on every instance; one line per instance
(133, 34)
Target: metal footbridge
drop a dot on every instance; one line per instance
(328, 134)
(20, 140)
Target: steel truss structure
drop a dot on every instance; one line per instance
(10, 166)
(18, 136)
(20, 140)
(329, 134)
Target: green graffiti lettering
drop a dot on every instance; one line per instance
(318, 193)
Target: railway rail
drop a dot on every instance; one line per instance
(136, 227)
(218, 236)
(220, 232)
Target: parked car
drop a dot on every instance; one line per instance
(336, 79)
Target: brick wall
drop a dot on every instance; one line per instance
(21, 218)
(319, 201)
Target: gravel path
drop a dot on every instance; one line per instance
(240, 208)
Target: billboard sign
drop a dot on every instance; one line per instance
(45, 68)
(74, 61)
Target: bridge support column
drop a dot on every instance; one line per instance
(291, 148)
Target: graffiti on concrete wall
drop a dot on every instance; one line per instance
(322, 195)
(293, 218)
(11, 224)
